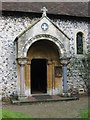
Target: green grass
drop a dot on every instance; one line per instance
(86, 113)
(0, 114)
(11, 114)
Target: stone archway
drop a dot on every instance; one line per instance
(57, 42)
(47, 52)
(36, 33)
(25, 63)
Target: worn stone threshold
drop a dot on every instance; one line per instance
(13, 101)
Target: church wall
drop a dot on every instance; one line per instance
(75, 77)
(10, 27)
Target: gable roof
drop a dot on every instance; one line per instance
(33, 24)
(58, 8)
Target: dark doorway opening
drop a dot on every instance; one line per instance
(38, 76)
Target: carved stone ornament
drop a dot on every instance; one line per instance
(64, 61)
(22, 61)
(44, 36)
(44, 26)
(44, 10)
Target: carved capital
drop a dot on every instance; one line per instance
(22, 61)
(49, 62)
(64, 61)
(29, 62)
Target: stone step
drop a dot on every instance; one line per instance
(30, 101)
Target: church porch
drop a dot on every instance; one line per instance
(43, 52)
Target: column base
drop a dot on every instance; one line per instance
(22, 97)
(66, 94)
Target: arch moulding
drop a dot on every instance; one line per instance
(27, 45)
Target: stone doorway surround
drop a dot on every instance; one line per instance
(42, 29)
(44, 49)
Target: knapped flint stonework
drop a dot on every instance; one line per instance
(10, 28)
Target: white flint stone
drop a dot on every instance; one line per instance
(11, 27)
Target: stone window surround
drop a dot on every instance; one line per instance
(84, 43)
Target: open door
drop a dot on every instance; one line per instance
(38, 76)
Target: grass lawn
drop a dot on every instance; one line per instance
(86, 113)
(10, 114)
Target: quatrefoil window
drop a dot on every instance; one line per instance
(44, 26)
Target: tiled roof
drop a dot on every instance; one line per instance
(58, 8)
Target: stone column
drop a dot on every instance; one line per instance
(64, 62)
(22, 62)
(22, 79)
(65, 87)
(49, 78)
(29, 77)
(53, 77)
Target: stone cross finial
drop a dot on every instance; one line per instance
(44, 9)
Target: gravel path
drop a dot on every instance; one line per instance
(61, 109)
